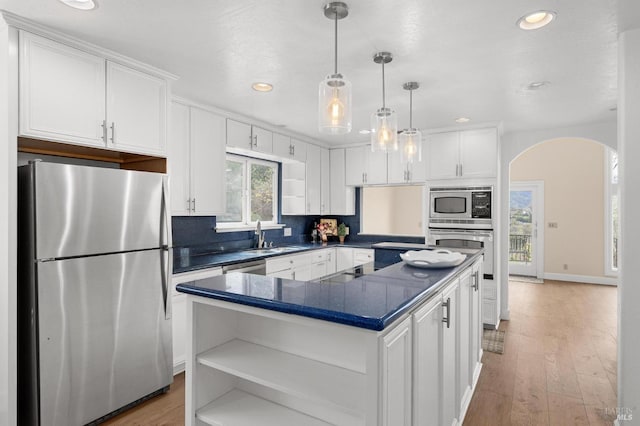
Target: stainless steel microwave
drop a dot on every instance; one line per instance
(461, 207)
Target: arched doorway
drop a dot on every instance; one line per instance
(563, 211)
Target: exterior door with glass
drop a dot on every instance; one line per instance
(525, 231)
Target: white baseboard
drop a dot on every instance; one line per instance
(587, 279)
(178, 367)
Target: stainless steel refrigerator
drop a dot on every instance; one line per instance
(94, 256)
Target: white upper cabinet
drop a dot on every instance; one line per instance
(479, 153)
(239, 135)
(68, 95)
(197, 162)
(62, 92)
(466, 154)
(179, 160)
(415, 172)
(314, 185)
(299, 150)
(442, 156)
(365, 167)
(248, 137)
(289, 148)
(343, 198)
(325, 181)
(136, 110)
(282, 146)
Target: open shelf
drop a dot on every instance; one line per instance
(239, 408)
(291, 374)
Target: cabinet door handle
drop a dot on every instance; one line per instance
(408, 175)
(447, 305)
(460, 169)
(250, 141)
(457, 167)
(255, 141)
(104, 131)
(193, 204)
(188, 204)
(113, 132)
(476, 280)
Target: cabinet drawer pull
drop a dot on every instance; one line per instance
(476, 280)
(447, 305)
(113, 132)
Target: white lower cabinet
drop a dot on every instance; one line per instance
(179, 314)
(396, 375)
(427, 332)
(247, 365)
(449, 354)
(490, 303)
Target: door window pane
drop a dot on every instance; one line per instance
(520, 227)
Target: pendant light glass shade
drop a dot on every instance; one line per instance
(384, 136)
(410, 139)
(334, 105)
(334, 92)
(384, 122)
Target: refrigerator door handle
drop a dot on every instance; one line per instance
(167, 265)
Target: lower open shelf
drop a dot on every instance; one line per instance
(239, 408)
(291, 374)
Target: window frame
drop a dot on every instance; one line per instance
(247, 162)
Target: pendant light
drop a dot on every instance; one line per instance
(334, 94)
(410, 139)
(384, 122)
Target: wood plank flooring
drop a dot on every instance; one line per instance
(559, 363)
(558, 366)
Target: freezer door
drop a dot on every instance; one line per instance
(83, 210)
(104, 337)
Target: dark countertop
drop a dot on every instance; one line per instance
(371, 301)
(211, 260)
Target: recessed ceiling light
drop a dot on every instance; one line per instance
(535, 20)
(463, 120)
(80, 4)
(537, 85)
(364, 131)
(262, 87)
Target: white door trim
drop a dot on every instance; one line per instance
(537, 186)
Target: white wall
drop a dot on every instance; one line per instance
(629, 158)
(8, 242)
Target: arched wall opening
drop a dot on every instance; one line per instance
(561, 212)
(512, 146)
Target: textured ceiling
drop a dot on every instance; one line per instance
(468, 55)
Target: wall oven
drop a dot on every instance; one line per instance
(466, 238)
(461, 207)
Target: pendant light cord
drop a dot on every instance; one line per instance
(411, 109)
(336, 42)
(383, 98)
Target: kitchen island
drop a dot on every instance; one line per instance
(397, 346)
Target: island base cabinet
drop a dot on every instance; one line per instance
(247, 365)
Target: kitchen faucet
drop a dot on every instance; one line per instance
(260, 235)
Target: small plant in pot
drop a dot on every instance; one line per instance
(342, 232)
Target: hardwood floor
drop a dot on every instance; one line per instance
(558, 366)
(163, 410)
(559, 363)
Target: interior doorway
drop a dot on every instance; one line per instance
(526, 230)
